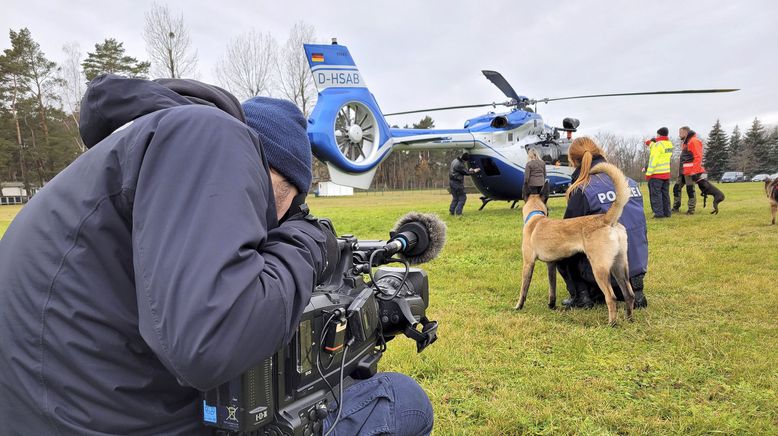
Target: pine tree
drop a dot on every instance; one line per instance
(757, 142)
(735, 148)
(34, 134)
(38, 74)
(716, 154)
(109, 57)
(425, 123)
(773, 157)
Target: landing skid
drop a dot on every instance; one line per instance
(486, 200)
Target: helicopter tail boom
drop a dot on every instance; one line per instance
(346, 128)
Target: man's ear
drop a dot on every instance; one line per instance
(544, 192)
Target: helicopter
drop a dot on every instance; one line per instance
(349, 132)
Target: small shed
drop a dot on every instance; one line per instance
(330, 189)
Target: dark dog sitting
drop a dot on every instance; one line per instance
(707, 188)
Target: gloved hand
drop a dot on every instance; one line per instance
(298, 211)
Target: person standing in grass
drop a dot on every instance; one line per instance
(534, 174)
(658, 172)
(456, 183)
(691, 168)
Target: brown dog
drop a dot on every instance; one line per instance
(771, 189)
(600, 237)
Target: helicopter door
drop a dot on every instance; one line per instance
(490, 168)
(552, 151)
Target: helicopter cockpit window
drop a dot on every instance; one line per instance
(490, 168)
(510, 137)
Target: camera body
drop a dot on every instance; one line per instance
(289, 392)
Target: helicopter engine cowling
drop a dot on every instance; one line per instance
(500, 122)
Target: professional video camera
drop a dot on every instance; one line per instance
(341, 336)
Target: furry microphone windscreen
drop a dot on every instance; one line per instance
(436, 232)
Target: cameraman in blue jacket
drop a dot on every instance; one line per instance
(156, 265)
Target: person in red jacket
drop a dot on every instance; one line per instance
(691, 168)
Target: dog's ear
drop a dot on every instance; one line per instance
(525, 194)
(544, 192)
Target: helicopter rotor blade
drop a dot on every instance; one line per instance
(683, 91)
(446, 108)
(500, 82)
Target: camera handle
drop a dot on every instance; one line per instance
(429, 329)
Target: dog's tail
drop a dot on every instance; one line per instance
(621, 187)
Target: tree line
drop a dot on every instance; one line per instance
(40, 103)
(756, 152)
(40, 97)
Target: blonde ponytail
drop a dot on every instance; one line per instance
(582, 151)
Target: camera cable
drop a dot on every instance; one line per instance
(381, 294)
(340, 403)
(318, 357)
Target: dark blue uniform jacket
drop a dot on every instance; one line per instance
(597, 197)
(150, 268)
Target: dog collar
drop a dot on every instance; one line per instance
(533, 213)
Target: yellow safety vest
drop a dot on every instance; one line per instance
(659, 159)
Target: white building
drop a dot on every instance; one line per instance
(14, 193)
(329, 189)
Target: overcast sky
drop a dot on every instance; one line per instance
(430, 53)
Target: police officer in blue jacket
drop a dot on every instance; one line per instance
(596, 197)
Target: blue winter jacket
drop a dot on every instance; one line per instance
(597, 197)
(150, 268)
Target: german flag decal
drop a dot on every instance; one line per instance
(317, 57)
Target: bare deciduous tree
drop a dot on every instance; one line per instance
(294, 76)
(628, 153)
(248, 66)
(168, 44)
(73, 84)
(73, 78)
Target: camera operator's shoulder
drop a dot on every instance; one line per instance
(202, 124)
(200, 115)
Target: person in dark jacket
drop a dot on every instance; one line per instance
(155, 265)
(387, 402)
(595, 195)
(456, 183)
(534, 174)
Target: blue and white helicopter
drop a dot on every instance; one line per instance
(348, 131)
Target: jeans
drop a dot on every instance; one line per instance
(458, 198)
(387, 404)
(659, 193)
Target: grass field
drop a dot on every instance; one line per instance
(703, 358)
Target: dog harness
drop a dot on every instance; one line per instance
(533, 213)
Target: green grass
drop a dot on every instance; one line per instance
(701, 359)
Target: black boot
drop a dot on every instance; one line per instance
(637, 288)
(640, 300)
(579, 299)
